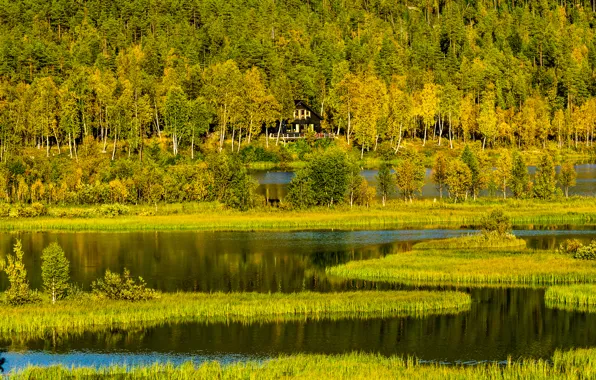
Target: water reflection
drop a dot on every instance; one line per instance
(238, 261)
(273, 184)
(501, 323)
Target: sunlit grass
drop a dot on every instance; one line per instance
(475, 241)
(575, 364)
(397, 214)
(89, 312)
(573, 297)
(472, 268)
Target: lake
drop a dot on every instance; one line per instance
(501, 322)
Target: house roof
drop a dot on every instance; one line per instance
(303, 103)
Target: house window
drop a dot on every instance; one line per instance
(297, 127)
(307, 114)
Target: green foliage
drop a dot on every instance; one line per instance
(520, 179)
(385, 182)
(567, 177)
(323, 181)
(409, 174)
(459, 180)
(545, 183)
(122, 287)
(496, 222)
(233, 185)
(586, 252)
(18, 292)
(440, 173)
(55, 271)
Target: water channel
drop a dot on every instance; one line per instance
(501, 322)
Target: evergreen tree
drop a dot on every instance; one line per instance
(478, 178)
(545, 182)
(55, 271)
(520, 179)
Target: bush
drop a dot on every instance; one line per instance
(19, 292)
(112, 210)
(116, 287)
(37, 209)
(4, 210)
(586, 252)
(496, 222)
(570, 246)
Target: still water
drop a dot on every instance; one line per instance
(274, 184)
(501, 322)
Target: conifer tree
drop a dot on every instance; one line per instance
(545, 182)
(520, 178)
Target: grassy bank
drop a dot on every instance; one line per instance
(573, 297)
(575, 364)
(474, 242)
(89, 312)
(471, 268)
(396, 214)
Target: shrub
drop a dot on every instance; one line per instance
(116, 287)
(19, 292)
(38, 209)
(112, 210)
(497, 221)
(570, 246)
(586, 252)
(4, 210)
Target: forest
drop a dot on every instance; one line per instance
(507, 73)
(164, 82)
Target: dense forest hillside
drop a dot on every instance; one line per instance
(508, 73)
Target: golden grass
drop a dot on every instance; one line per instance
(471, 268)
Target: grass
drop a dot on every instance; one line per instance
(397, 214)
(575, 364)
(89, 312)
(474, 242)
(471, 268)
(574, 297)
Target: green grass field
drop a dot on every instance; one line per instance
(471, 268)
(396, 214)
(575, 364)
(88, 312)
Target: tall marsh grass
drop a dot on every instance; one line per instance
(575, 364)
(572, 297)
(91, 312)
(471, 268)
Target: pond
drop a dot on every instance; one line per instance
(274, 184)
(501, 322)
